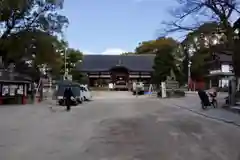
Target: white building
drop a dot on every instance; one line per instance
(221, 69)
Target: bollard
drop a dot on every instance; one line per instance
(24, 100)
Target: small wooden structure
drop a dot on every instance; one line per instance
(14, 87)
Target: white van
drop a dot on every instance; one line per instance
(138, 87)
(85, 92)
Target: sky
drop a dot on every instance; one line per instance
(113, 26)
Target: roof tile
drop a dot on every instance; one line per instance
(106, 62)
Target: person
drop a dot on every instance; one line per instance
(110, 86)
(68, 94)
(212, 93)
(204, 97)
(137, 88)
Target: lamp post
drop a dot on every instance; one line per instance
(189, 73)
(65, 63)
(64, 54)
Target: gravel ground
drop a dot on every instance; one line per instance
(115, 126)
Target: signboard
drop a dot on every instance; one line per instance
(164, 92)
(134, 76)
(105, 76)
(215, 71)
(145, 76)
(11, 90)
(219, 72)
(93, 73)
(93, 76)
(172, 84)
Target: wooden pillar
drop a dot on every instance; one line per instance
(210, 83)
(220, 82)
(24, 96)
(1, 99)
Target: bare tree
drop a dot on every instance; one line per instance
(193, 13)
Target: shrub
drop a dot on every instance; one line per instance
(179, 93)
(168, 94)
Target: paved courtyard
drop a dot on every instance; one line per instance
(119, 126)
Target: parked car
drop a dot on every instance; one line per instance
(85, 92)
(78, 97)
(138, 87)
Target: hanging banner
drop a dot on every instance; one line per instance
(12, 90)
(5, 90)
(20, 90)
(164, 92)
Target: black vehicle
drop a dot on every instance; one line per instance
(75, 89)
(205, 101)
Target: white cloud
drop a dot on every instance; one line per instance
(108, 51)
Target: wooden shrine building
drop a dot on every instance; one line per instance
(118, 69)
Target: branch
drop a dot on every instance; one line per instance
(176, 25)
(233, 7)
(188, 12)
(30, 23)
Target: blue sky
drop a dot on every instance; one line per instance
(113, 26)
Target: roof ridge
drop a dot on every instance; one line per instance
(119, 55)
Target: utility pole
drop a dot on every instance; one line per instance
(189, 74)
(65, 63)
(65, 56)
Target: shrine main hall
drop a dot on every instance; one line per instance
(117, 69)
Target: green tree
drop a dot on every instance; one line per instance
(150, 47)
(29, 31)
(165, 60)
(73, 57)
(169, 56)
(198, 47)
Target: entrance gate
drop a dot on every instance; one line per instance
(120, 77)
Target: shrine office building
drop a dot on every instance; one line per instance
(118, 69)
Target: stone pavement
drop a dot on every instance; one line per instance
(193, 104)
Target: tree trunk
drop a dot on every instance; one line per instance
(229, 32)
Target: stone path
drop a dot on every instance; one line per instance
(192, 103)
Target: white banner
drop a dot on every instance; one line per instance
(164, 92)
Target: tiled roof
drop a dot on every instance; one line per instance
(106, 62)
(16, 77)
(224, 57)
